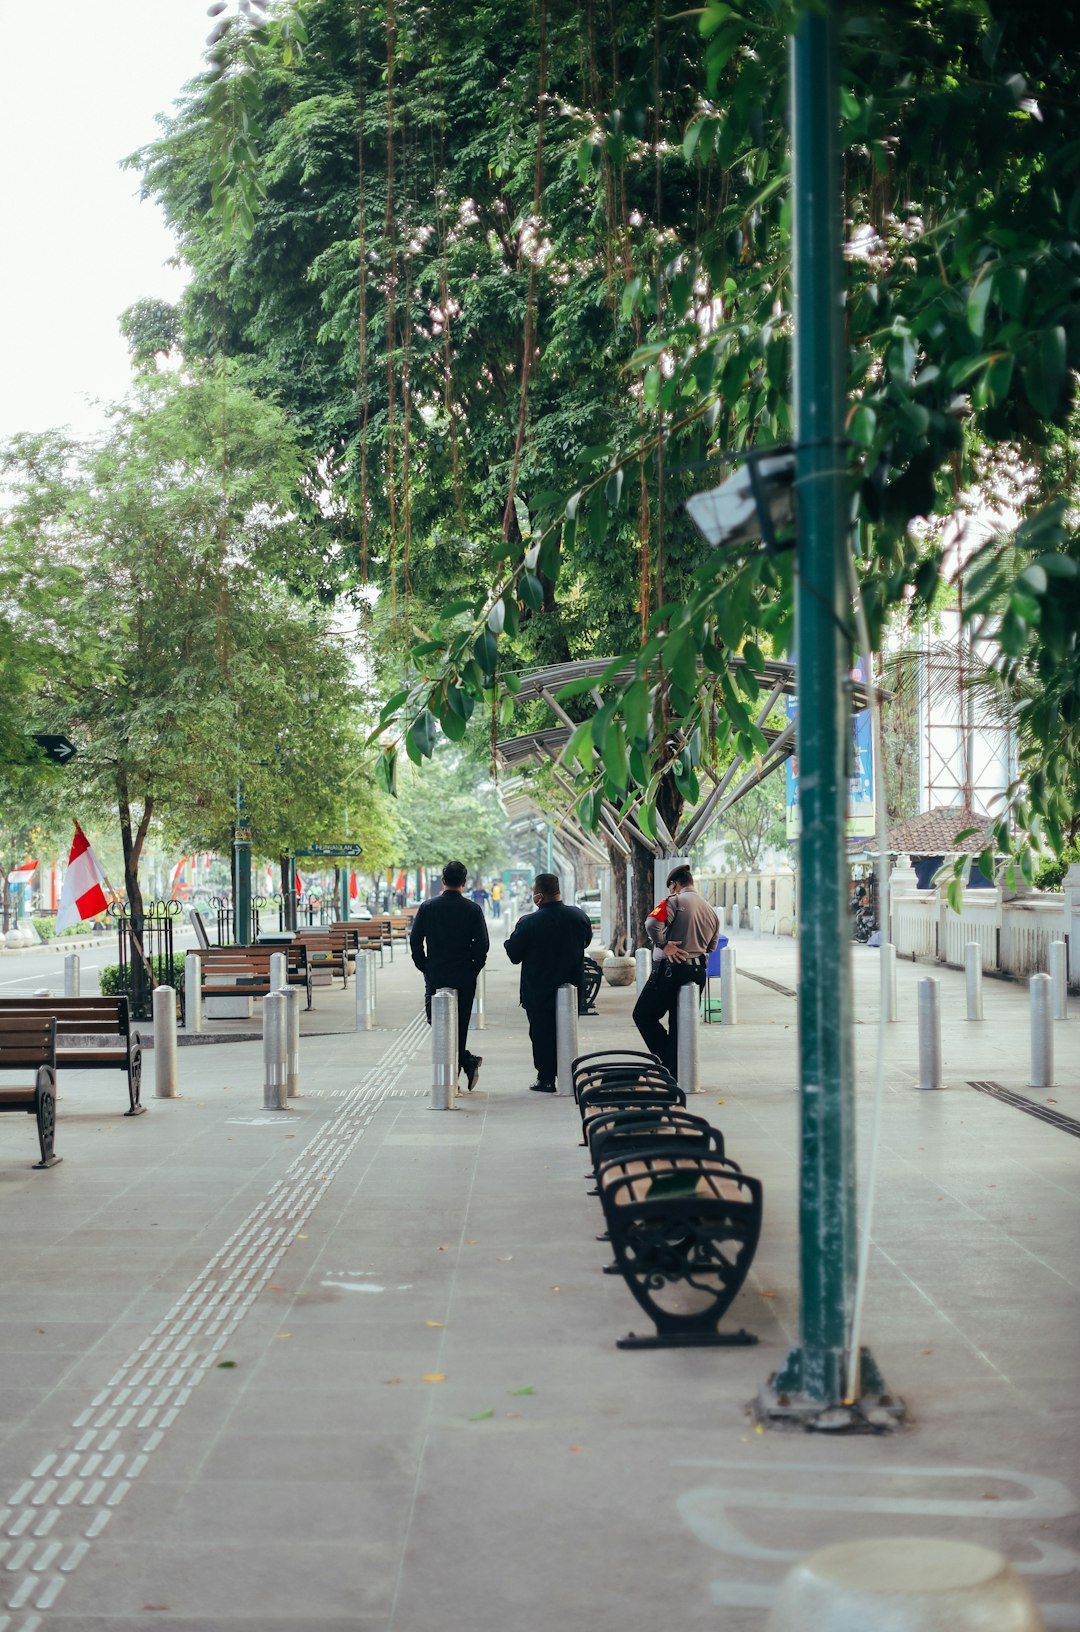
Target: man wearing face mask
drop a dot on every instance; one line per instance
(683, 940)
(550, 946)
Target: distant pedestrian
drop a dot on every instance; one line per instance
(480, 895)
(550, 946)
(683, 939)
(449, 945)
(496, 900)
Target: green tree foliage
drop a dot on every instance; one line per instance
(449, 813)
(754, 824)
(518, 276)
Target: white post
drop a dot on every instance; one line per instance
(164, 1042)
(929, 1034)
(291, 994)
(643, 961)
(279, 972)
(480, 1001)
(755, 919)
(444, 1049)
(686, 1039)
(888, 980)
(364, 994)
(566, 1037)
(1059, 979)
(71, 975)
(193, 993)
(275, 1045)
(728, 1001)
(973, 974)
(1042, 1034)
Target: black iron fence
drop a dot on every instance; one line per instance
(149, 959)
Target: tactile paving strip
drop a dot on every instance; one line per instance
(51, 1521)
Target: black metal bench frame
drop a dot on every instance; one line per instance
(591, 977)
(89, 1017)
(32, 1047)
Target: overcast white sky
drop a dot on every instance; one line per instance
(82, 84)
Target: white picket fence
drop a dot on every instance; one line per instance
(1014, 936)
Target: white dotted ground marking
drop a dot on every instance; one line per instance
(52, 1519)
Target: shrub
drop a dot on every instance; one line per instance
(166, 972)
(1051, 875)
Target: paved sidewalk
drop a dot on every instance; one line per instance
(353, 1366)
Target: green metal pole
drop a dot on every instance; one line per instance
(343, 892)
(242, 871)
(814, 1373)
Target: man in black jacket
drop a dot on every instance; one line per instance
(550, 945)
(449, 945)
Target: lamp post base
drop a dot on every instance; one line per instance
(784, 1402)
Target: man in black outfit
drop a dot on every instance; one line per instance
(550, 945)
(449, 945)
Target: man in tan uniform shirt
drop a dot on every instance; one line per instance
(685, 941)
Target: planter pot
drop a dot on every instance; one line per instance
(599, 954)
(620, 971)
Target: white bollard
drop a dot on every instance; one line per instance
(729, 1014)
(643, 964)
(1059, 991)
(275, 1048)
(480, 1001)
(365, 991)
(193, 993)
(444, 1049)
(72, 975)
(755, 919)
(164, 1042)
(279, 972)
(687, 1069)
(907, 1584)
(1042, 1033)
(291, 994)
(929, 1034)
(888, 981)
(973, 976)
(566, 1037)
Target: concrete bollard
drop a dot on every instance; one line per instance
(888, 981)
(973, 976)
(365, 991)
(291, 994)
(1042, 1032)
(1059, 990)
(275, 1047)
(729, 1012)
(566, 1037)
(908, 1584)
(643, 963)
(687, 1070)
(755, 919)
(72, 975)
(193, 1020)
(444, 1049)
(164, 1042)
(929, 1034)
(480, 1001)
(279, 972)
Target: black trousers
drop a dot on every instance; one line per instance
(659, 1001)
(541, 1015)
(466, 991)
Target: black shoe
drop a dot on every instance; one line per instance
(474, 1071)
(542, 1088)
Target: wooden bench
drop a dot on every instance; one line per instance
(327, 951)
(28, 1045)
(244, 971)
(93, 1034)
(365, 935)
(400, 926)
(682, 1219)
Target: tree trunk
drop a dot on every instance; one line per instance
(618, 901)
(642, 872)
(141, 978)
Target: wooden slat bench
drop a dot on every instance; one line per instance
(365, 935)
(93, 1034)
(28, 1046)
(244, 971)
(327, 952)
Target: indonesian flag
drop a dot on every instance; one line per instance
(400, 885)
(22, 875)
(354, 886)
(175, 877)
(299, 885)
(82, 895)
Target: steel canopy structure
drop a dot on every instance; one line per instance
(544, 747)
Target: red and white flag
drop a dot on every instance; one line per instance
(22, 874)
(82, 895)
(354, 886)
(299, 885)
(175, 877)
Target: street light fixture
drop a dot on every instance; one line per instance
(757, 501)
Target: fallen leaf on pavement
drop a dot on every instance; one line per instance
(391, 1380)
(435, 1377)
(766, 1292)
(528, 1389)
(282, 1334)
(434, 1323)
(507, 1260)
(482, 1416)
(575, 1447)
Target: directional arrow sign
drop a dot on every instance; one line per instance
(332, 852)
(58, 749)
